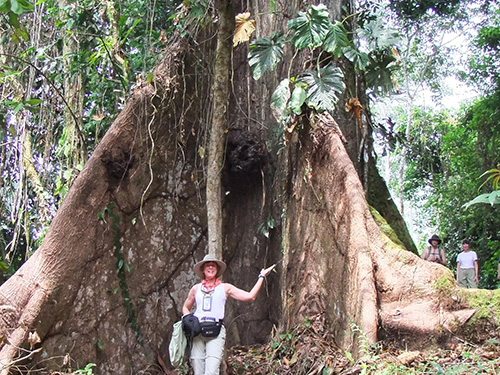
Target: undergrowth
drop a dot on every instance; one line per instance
(309, 349)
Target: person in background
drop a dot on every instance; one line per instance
(209, 298)
(434, 253)
(467, 267)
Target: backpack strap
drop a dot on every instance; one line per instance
(428, 248)
(429, 253)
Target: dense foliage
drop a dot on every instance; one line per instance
(66, 69)
(445, 152)
(446, 156)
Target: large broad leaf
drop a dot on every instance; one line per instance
(244, 28)
(491, 198)
(358, 58)
(323, 87)
(20, 6)
(265, 54)
(379, 35)
(379, 74)
(311, 27)
(280, 98)
(336, 39)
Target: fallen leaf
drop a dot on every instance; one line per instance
(408, 357)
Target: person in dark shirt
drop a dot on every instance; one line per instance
(434, 253)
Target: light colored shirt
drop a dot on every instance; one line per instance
(466, 259)
(210, 305)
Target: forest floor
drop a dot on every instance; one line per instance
(310, 350)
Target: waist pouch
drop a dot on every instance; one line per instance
(210, 328)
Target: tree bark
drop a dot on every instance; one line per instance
(338, 260)
(219, 125)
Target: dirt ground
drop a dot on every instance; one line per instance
(310, 350)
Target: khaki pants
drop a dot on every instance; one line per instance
(207, 353)
(466, 278)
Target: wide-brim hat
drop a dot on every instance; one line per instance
(198, 267)
(434, 238)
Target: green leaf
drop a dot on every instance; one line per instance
(280, 98)
(349, 356)
(336, 39)
(33, 101)
(299, 96)
(271, 223)
(378, 34)
(129, 30)
(272, 6)
(15, 7)
(379, 73)
(4, 6)
(265, 54)
(311, 27)
(358, 58)
(18, 107)
(490, 198)
(438, 368)
(20, 6)
(323, 87)
(494, 175)
(67, 173)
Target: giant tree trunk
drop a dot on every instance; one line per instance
(109, 280)
(339, 262)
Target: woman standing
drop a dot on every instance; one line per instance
(209, 298)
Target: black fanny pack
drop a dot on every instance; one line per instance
(210, 328)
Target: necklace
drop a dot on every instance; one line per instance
(206, 288)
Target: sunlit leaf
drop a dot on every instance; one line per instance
(489, 198)
(33, 101)
(494, 177)
(299, 96)
(201, 151)
(311, 27)
(272, 5)
(265, 54)
(358, 58)
(280, 98)
(378, 34)
(244, 28)
(323, 87)
(68, 173)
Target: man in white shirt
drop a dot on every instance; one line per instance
(467, 268)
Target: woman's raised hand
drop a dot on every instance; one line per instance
(265, 271)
